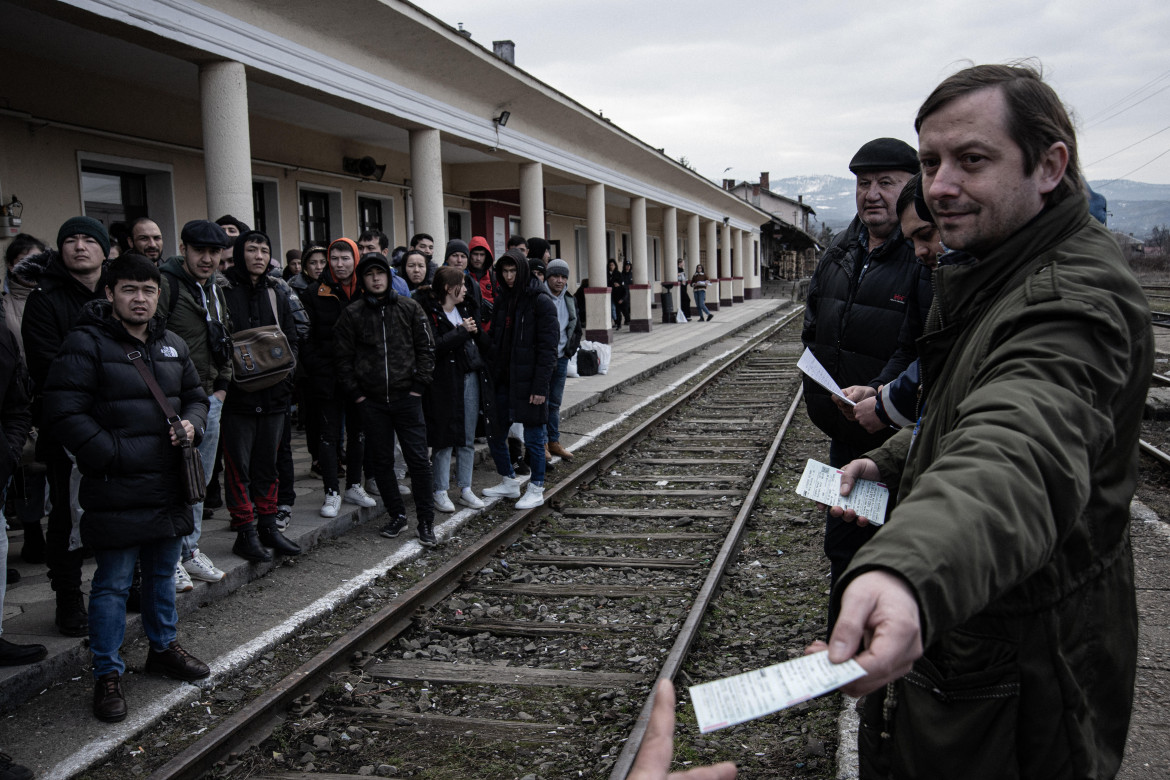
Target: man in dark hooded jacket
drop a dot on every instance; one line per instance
(524, 354)
(253, 420)
(100, 407)
(70, 280)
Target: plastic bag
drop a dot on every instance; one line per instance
(604, 352)
(680, 317)
(587, 362)
(571, 367)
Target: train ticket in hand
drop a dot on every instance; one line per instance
(817, 373)
(822, 483)
(751, 695)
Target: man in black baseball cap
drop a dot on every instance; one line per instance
(866, 302)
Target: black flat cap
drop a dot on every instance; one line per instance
(200, 232)
(885, 154)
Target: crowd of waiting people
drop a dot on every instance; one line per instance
(401, 362)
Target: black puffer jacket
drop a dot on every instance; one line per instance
(862, 333)
(250, 306)
(51, 312)
(383, 348)
(324, 300)
(15, 419)
(100, 408)
(524, 337)
(443, 403)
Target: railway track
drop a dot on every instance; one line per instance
(594, 595)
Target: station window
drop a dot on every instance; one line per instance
(116, 191)
(320, 214)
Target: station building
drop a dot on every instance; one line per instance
(313, 120)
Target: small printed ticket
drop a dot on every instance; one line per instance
(751, 695)
(822, 483)
(817, 373)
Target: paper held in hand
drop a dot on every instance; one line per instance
(751, 695)
(822, 483)
(817, 373)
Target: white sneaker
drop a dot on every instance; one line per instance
(443, 501)
(355, 494)
(201, 568)
(182, 579)
(332, 504)
(509, 487)
(469, 498)
(372, 487)
(403, 486)
(533, 497)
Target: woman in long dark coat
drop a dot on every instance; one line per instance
(461, 388)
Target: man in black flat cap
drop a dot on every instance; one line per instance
(865, 307)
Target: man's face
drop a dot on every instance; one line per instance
(341, 263)
(924, 236)
(538, 274)
(371, 245)
(508, 275)
(376, 281)
(82, 254)
(257, 255)
(134, 302)
(232, 231)
(557, 284)
(478, 258)
(523, 249)
(457, 260)
(973, 173)
(546, 256)
(426, 246)
(877, 194)
(200, 261)
(148, 240)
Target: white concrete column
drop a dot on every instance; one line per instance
(426, 178)
(597, 320)
(670, 251)
(725, 266)
(693, 244)
(712, 266)
(738, 243)
(639, 292)
(532, 200)
(227, 144)
(752, 288)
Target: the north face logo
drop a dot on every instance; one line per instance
(169, 351)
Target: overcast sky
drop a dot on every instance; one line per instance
(795, 88)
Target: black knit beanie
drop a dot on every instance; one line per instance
(85, 226)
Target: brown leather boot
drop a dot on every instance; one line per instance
(556, 449)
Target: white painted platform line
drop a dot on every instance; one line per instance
(847, 725)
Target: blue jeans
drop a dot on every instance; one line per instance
(207, 449)
(107, 600)
(701, 303)
(556, 392)
(465, 453)
(535, 438)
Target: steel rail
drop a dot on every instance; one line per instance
(255, 721)
(1154, 452)
(690, 630)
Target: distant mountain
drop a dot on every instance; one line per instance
(1134, 207)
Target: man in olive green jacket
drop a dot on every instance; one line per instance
(191, 300)
(997, 603)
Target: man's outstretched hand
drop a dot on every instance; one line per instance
(653, 760)
(880, 614)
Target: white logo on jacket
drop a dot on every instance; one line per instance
(168, 351)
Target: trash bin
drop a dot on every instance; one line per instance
(667, 304)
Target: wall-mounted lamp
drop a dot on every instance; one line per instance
(366, 167)
(726, 220)
(10, 217)
(503, 118)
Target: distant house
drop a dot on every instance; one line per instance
(787, 249)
